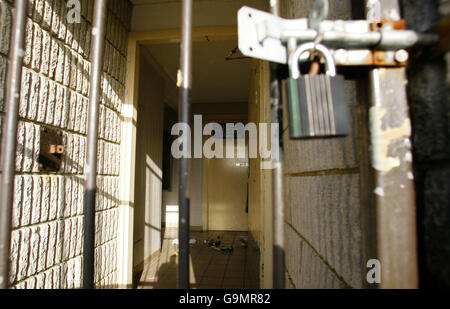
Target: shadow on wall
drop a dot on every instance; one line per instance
(148, 165)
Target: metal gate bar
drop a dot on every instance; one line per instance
(390, 134)
(97, 52)
(277, 173)
(9, 136)
(185, 83)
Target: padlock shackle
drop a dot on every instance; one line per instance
(295, 56)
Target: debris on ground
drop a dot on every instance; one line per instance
(244, 241)
(216, 245)
(175, 242)
(227, 249)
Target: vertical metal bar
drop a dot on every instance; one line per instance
(390, 135)
(274, 7)
(277, 174)
(184, 117)
(97, 49)
(9, 137)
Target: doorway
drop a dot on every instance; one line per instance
(227, 178)
(227, 193)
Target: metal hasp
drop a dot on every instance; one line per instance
(265, 36)
(9, 137)
(185, 84)
(390, 135)
(97, 48)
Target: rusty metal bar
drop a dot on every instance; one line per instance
(97, 48)
(390, 135)
(184, 117)
(9, 136)
(277, 174)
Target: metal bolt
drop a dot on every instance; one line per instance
(401, 55)
(381, 56)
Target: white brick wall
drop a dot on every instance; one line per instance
(47, 236)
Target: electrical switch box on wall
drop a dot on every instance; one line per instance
(51, 150)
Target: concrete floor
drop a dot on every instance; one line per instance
(210, 268)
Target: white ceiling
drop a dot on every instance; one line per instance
(166, 14)
(214, 79)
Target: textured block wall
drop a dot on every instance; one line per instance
(47, 236)
(323, 194)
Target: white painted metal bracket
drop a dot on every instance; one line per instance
(252, 25)
(265, 36)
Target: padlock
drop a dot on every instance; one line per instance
(317, 103)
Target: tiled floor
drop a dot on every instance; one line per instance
(210, 268)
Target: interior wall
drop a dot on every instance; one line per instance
(196, 184)
(170, 196)
(226, 185)
(148, 184)
(231, 108)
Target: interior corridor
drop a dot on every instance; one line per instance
(210, 267)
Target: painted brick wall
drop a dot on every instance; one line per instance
(47, 236)
(323, 194)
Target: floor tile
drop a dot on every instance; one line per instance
(211, 268)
